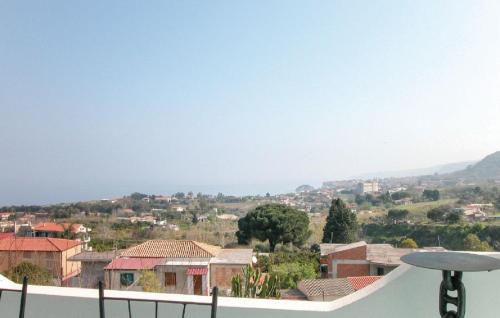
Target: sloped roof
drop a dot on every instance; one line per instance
(338, 287)
(133, 263)
(328, 248)
(362, 281)
(329, 287)
(6, 235)
(90, 256)
(39, 244)
(384, 254)
(56, 227)
(350, 246)
(172, 249)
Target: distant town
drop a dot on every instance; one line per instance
(189, 242)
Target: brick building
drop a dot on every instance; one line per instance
(362, 259)
(50, 253)
(183, 267)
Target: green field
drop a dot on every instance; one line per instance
(421, 208)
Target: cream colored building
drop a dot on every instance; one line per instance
(182, 267)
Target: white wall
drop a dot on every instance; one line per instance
(405, 292)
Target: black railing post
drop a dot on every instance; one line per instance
(183, 310)
(215, 292)
(23, 297)
(101, 300)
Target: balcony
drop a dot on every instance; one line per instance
(405, 292)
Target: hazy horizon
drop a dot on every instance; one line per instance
(64, 195)
(101, 99)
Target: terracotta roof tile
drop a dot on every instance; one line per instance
(362, 281)
(6, 235)
(329, 287)
(56, 227)
(335, 286)
(172, 249)
(41, 244)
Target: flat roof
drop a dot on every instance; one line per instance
(233, 256)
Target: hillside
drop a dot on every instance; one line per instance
(439, 169)
(486, 169)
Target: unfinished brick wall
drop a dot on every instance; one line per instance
(221, 275)
(353, 253)
(352, 270)
(348, 270)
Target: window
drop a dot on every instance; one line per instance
(323, 268)
(380, 271)
(126, 279)
(170, 279)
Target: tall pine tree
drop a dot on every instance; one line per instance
(341, 224)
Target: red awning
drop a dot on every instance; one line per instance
(197, 271)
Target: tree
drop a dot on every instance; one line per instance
(341, 224)
(194, 216)
(36, 274)
(276, 223)
(432, 195)
(397, 214)
(315, 248)
(179, 195)
(289, 274)
(473, 243)
(400, 195)
(385, 198)
(437, 214)
(359, 199)
(408, 243)
(150, 282)
(138, 196)
(497, 203)
(453, 217)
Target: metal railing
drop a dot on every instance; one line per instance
(102, 298)
(23, 291)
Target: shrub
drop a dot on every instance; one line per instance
(289, 274)
(36, 274)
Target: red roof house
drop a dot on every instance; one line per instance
(49, 253)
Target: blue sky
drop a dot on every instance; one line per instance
(99, 99)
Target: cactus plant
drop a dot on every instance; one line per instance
(251, 284)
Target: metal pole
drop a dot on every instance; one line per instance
(101, 300)
(183, 310)
(23, 297)
(215, 292)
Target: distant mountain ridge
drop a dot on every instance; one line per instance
(439, 169)
(486, 169)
